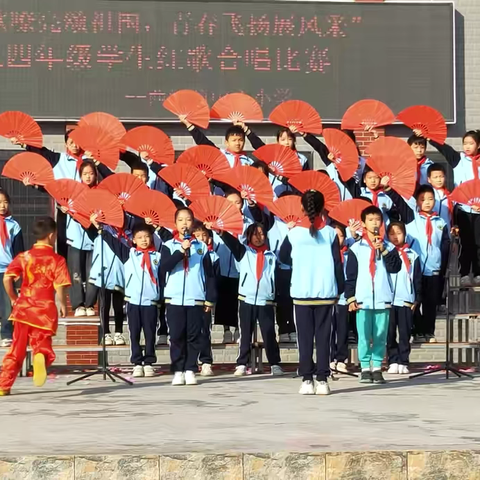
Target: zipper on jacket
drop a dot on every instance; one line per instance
(244, 278)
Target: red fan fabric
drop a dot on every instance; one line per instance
(103, 147)
(110, 124)
(154, 205)
(191, 104)
(313, 180)
(427, 119)
(299, 114)
(29, 165)
(237, 107)
(102, 203)
(186, 180)
(367, 114)
(220, 212)
(344, 150)
(152, 143)
(289, 209)
(349, 211)
(209, 160)
(392, 157)
(283, 161)
(251, 181)
(467, 193)
(123, 186)
(21, 126)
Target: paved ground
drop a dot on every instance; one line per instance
(255, 413)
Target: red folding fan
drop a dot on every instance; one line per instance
(65, 192)
(252, 181)
(427, 119)
(283, 161)
(289, 209)
(209, 160)
(367, 114)
(103, 147)
(220, 212)
(467, 193)
(191, 104)
(146, 203)
(123, 186)
(110, 124)
(313, 180)
(186, 180)
(21, 126)
(102, 203)
(237, 107)
(392, 157)
(299, 114)
(344, 150)
(156, 144)
(29, 165)
(349, 211)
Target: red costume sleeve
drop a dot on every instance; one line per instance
(62, 277)
(15, 269)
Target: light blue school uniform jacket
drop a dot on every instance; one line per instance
(77, 236)
(441, 207)
(423, 180)
(376, 293)
(407, 284)
(66, 168)
(347, 243)
(13, 245)
(276, 235)
(317, 272)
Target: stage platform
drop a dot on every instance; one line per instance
(255, 427)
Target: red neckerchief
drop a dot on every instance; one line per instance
(428, 225)
(146, 261)
(474, 160)
(121, 234)
(446, 193)
(236, 162)
(403, 253)
(375, 196)
(210, 247)
(320, 222)
(419, 166)
(4, 236)
(372, 266)
(78, 158)
(260, 259)
(176, 236)
(343, 250)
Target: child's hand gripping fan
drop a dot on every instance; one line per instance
(237, 107)
(123, 186)
(282, 161)
(21, 128)
(298, 116)
(367, 115)
(187, 182)
(425, 121)
(219, 214)
(151, 143)
(101, 203)
(210, 161)
(468, 193)
(29, 168)
(189, 105)
(289, 210)
(344, 152)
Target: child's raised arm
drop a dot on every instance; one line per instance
(451, 155)
(198, 136)
(255, 141)
(234, 245)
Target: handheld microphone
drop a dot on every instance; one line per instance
(378, 253)
(187, 236)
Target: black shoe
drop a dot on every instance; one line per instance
(366, 377)
(378, 377)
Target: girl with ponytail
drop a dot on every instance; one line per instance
(317, 281)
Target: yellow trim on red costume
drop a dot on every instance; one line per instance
(30, 324)
(62, 285)
(43, 245)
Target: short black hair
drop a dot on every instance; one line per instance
(139, 165)
(436, 167)
(424, 189)
(251, 229)
(140, 226)
(234, 130)
(371, 210)
(67, 134)
(231, 191)
(5, 194)
(260, 164)
(289, 133)
(416, 139)
(400, 225)
(198, 226)
(43, 227)
(367, 169)
(289, 193)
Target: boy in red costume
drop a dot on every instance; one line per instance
(34, 311)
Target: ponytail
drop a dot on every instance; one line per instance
(312, 203)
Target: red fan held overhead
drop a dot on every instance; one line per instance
(186, 180)
(237, 107)
(190, 104)
(282, 161)
(153, 205)
(313, 180)
(209, 160)
(103, 147)
(21, 126)
(349, 211)
(342, 147)
(252, 181)
(289, 209)
(468, 193)
(103, 204)
(29, 168)
(151, 143)
(104, 121)
(367, 114)
(427, 119)
(123, 186)
(218, 211)
(392, 157)
(298, 114)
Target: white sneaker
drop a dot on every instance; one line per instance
(276, 370)
(322, 388)
(341, 367)
(108, 339)
(119, 339)
(138, 371)
(476, 280)
(178, 379)
(190, 378)
(80, 312)
(206, 370)
(307, 388)
(90, 312)
(293, 337)
(236, 336)
(431, 338)
(6, 342)
(394, 368)
(162, 340)
(148, 371)
(240, 371)
(403, 370)
(284, 338)
(333, 365)
(465, 281)
(227, 336)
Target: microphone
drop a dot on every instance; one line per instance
(376, 232)
(187, 236)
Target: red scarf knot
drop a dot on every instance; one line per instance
(446, 194)
(419, 167)
(372, 267)
(375, 196)
(428, 224)
(343, 251)
(4, 236)
(237, 162)
(260, 259)
(403, 253)
(146, 261)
